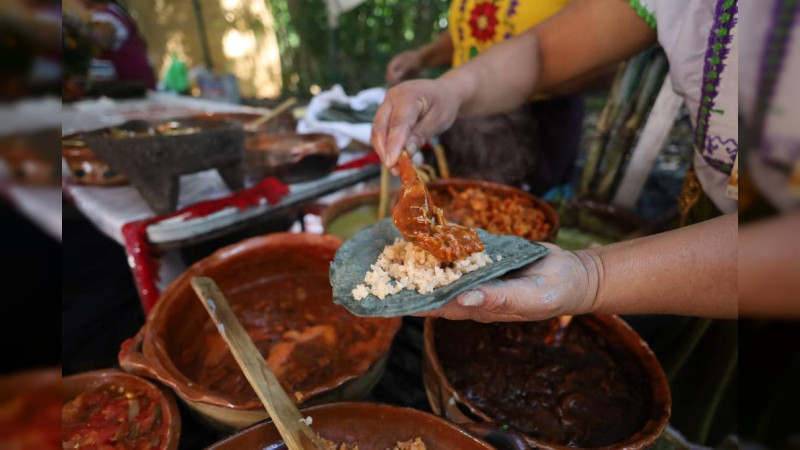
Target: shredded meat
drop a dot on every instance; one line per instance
(514, 214)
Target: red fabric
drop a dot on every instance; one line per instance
(368, 160)
(143, 257)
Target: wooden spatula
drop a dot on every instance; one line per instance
(296, 434)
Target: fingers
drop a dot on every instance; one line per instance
(411, 114)
(394, 71)
(380, 124)
(508, 300)
(392, 125)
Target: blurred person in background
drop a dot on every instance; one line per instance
(30, 48)
(539, 140)
(122, 52)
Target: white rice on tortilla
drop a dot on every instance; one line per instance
(403, 265)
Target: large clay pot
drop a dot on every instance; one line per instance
(374, 426)
(74, 385)
(449, 402)
(290, 157)
(178, 325)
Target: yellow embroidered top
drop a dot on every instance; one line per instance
(476, 25)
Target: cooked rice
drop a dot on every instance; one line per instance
(403, 265)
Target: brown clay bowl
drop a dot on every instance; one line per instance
(29, 417)
(374, 426)
(291, 157)
(46, 381)
(439, 189)
(178, 342)
(283, 123)
(585, 222)
(32, 158)
(88, 381)
(449, 402)
(85, 166)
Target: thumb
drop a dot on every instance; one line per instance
(524, 297)
(495, 297)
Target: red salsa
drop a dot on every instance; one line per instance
(113, 417)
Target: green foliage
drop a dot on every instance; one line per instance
(354, 54)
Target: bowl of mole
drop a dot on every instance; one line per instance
(278, 287)
(598, 386)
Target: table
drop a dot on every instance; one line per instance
(110, 208)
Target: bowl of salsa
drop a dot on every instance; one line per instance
(110, 408)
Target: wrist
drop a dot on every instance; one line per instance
(423, 55)
(593, 273)
(457, 86)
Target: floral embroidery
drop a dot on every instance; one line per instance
(483, 21)
(716, 53)
(784, 15)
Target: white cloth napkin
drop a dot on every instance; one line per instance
(344, 132)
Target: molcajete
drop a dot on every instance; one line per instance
(154, 156)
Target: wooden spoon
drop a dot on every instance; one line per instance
(296, 434)
(280, 109)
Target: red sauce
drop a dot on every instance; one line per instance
(31, 422)
(306, 339)
(114, 417)
(423, 224)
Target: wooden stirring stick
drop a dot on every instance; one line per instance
(296, 434)
(280, 109)
(383, 196)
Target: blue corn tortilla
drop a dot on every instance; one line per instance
(356, 255)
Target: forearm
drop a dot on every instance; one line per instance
(689, 271)
(438, 53)
(769, 268)
(586, 37)
(497, 80)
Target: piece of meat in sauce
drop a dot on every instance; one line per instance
(424, 225)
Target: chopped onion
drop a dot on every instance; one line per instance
(133, 409)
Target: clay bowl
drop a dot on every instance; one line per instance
(584, 223)
(46, 381)
(449, 402)
(32, 158)
(291, 157)
(29, 417)
(85, 166)
(283, 123)
(88, 381)
(277, 284)
(375, 426)
(439, 189)
(349, 215)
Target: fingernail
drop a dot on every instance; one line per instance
(471, 298)
(411, 147)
